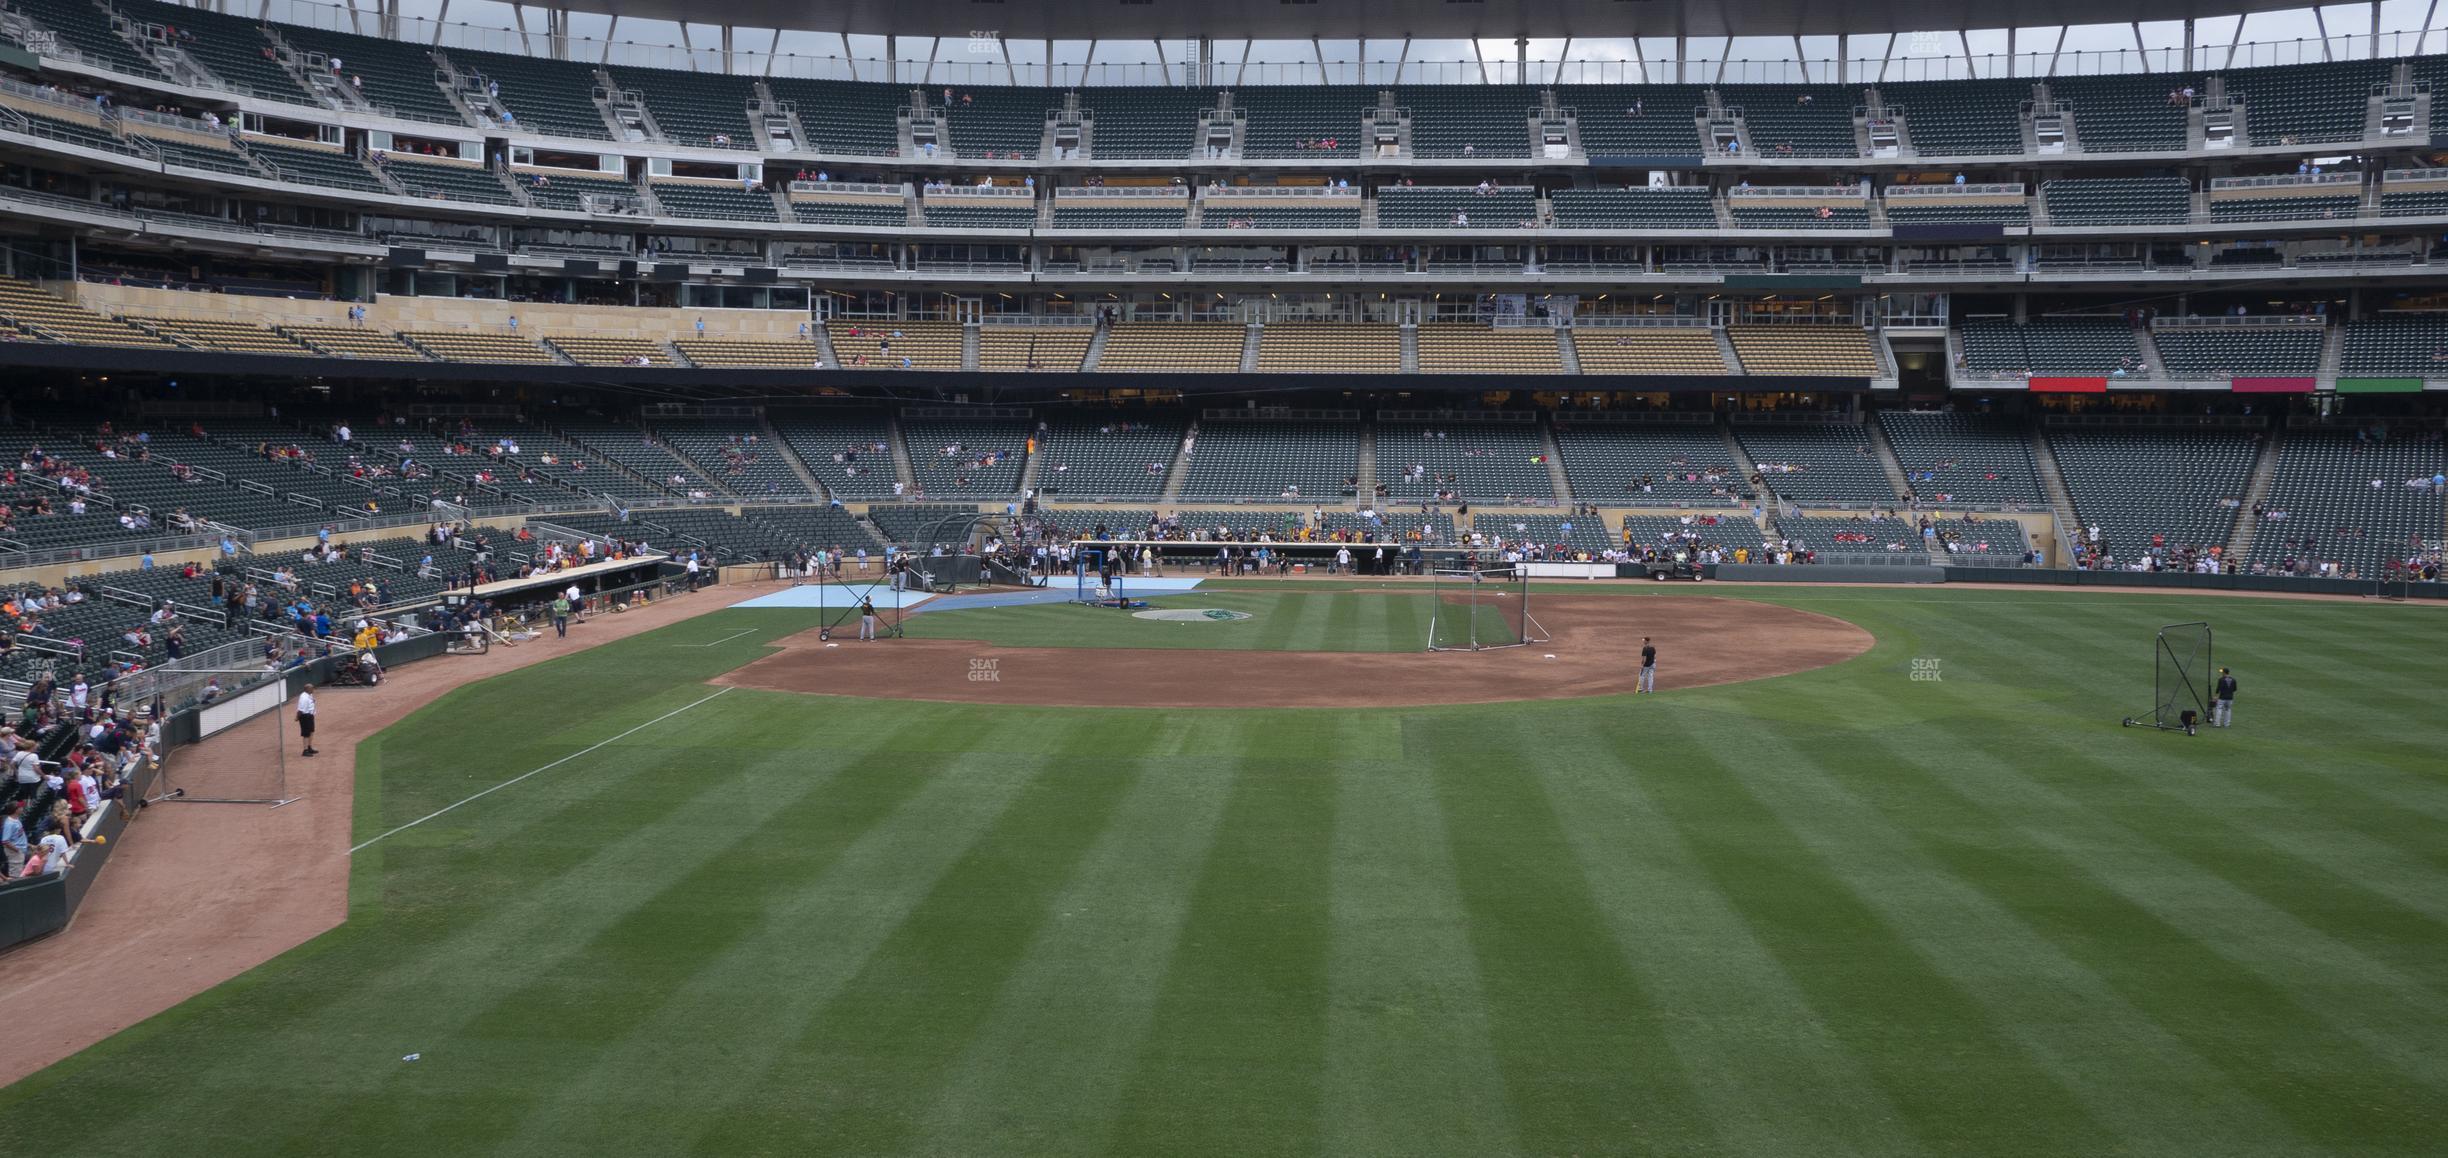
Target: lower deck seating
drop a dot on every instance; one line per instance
(2397, 346)
(1264, 459)
(1124, 455)
(1818, 463)
(2147, 489)
(1954, 459)
(1488, 462)
(2344, 499)
(1661, 464)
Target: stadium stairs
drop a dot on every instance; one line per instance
(1887, 457)
(1725, 350)
(2061, 500)
(903, 470)
(2256, 492)
(1571, 355)
(1554, 453)
(1177, 475)
(1096, 350)
(1365, 461)
(773, 438)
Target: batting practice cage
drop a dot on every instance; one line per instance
(2181, 679)
(1101, 579)
(1478, 609)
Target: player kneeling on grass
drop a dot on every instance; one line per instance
(2222, 699)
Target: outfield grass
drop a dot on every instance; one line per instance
(1843, 912)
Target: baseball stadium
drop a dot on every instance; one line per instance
(1123, 577)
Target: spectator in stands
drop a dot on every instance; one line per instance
(14, 848)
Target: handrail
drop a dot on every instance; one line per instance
(2014, 188)
(1122, 192)
(2280, 180)
(1289, 192)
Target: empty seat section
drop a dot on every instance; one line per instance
(725, 201)
(2118, 201)
(1682, 207)
(1817, 463)
(1953, 459)
(1322, 213)
(1644, 464)
(2306, 102)
(1015, 217)
(2125, 114)
(2327, 206)
(1005, 121)
(1095, 457)
(1465, 348)
(215, 156)
(1962, 118)
(1748, 215)
(850, 452)
(86, 27)
(1426, 207)
(1033, 347)
(694, 108)
(594, 350)
(1926, 210)
(1144, 121)
(750, 353)
(2240, 351)
(1212, 347)
(553, 97)
(1302, 121)
(2333, 513)
(304, 163)
(354, 342)
(2137, 484)
(568, 193)
(924, 345)
(1329, 348)
(36, 314)
(232, 48)
(1647, 350)
(1475, 120)
(859, 118)
(869, 214)
(966, 456)
(397, 78)
(2400, 346)
(234, 337)
(1622, 120)
(430, 180)
(1840, 351)
(1796, 120)
(735, 453)
(1267, 459)
(1483, 462)
(478, 346)
(1163, 215)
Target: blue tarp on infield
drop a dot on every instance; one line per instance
(833, 595)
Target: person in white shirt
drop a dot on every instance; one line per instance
(306, 718)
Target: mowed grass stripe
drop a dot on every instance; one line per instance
(1868, 982)
(866, 870)
(2180, 964)
(877, 1053)
(1231, 1058)
(1410, 1059)
(1045, 1070)
(2127, 1073)
(1759, 1057)
(1586, 1061)
(573, 980)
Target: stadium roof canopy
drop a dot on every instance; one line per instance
(1412, 19)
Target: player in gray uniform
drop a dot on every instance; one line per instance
(2222, 699)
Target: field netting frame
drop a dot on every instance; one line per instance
(1486, 592)
(2183, 668)
(262, 717)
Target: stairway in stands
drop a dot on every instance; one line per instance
(2256, 492)
(2061, 500)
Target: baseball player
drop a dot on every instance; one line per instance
(1648, 676)
(2222, 699)
(867, 617)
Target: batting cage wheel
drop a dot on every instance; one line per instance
(2181, 678)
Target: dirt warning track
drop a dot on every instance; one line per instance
(1594, 639)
